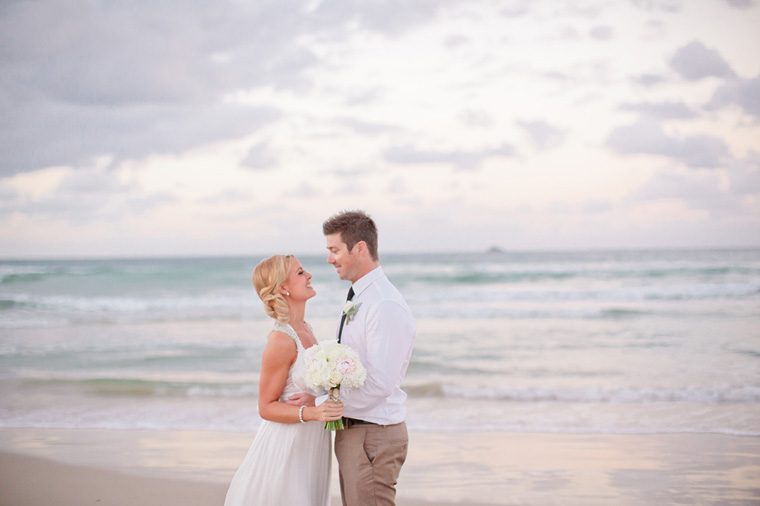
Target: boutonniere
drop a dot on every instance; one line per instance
(350, 309)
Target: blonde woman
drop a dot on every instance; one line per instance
(289, 460)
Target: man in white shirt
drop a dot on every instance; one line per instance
(372, 448)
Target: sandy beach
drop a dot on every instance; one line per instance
(45, 467)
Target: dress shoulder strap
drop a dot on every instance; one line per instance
(287, 329)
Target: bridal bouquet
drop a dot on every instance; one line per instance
(331, 365)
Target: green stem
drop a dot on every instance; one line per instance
(334, 424)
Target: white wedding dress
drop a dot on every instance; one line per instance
(288, 464)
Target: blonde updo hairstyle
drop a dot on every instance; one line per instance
(268, 277)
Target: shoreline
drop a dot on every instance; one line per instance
(193, 468)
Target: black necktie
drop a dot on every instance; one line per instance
(343, 318)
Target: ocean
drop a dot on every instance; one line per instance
(568, 342)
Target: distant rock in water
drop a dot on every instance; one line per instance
(494, 249)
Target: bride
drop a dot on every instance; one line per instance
(289, 459)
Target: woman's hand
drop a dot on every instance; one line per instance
(301, 399)
(325, 412)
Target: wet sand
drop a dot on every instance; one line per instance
(44, 467)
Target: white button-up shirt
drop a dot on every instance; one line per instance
(382, 332)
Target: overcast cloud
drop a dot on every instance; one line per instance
(646, 137)
(130, 127)
(695, 61)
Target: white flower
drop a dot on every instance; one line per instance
(345, 366)
(335, 377)
(314, 376)
(350, 309)
(331, 365)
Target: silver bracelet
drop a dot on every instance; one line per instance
(300, 414)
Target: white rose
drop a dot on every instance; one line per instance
(335, 378)
(315, 377)
(333, 355)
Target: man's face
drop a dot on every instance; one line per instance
(346, 263)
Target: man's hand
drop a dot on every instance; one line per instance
(302, 399)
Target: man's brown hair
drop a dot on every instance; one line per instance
(354, 226)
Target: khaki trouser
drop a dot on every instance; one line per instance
(370, 459)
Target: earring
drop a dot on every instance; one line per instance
(287, 293)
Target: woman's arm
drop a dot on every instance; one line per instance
(278, 356)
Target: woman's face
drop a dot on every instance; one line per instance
(298, 282)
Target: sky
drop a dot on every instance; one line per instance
(177, 127)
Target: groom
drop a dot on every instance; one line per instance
(381, 328)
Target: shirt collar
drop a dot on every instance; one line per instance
(366, 280)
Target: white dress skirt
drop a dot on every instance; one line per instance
(288, 464)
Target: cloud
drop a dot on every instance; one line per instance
(461, 160)
(648, 79)
(43, 134)
(654, 29)
(542, 133)
(84, 79)
(85, 196)
(364, 96)
(741, 4)
(555, 76)
(744, 178)
(517, 10)
(304, 191)
(10, 200)
(396, 186)
(260, 157)
(126, 53)
(455, 41)
(8, 194)
(663, 5)
(699, 191)
(345, 88)
(602, 32)
(390, 16)
(91, 182)
(588, 10)
(661, 110)
(131, 79)
(227, 196)
(365, 127)
(597, 206)
(695, 61)
(646, 137)
(355, 172)
(476, 119)
(745, 182)
(566, 33)
(744, 93)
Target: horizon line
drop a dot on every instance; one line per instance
(493, 250)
